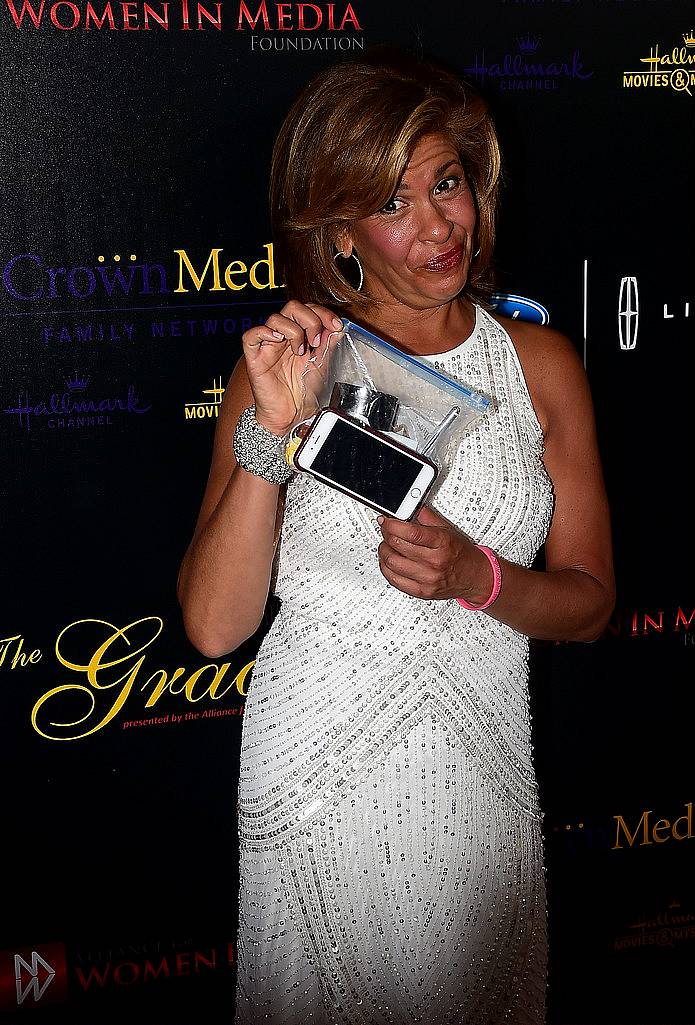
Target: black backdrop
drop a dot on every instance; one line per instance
(130, 153)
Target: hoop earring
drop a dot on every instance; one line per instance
(353, 256)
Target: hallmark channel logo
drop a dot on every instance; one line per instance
(528, 68)
(75, 408)
(674, 69)
(340, 20)
(207, 408)
(32, 976)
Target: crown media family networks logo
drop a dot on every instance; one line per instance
(67, 304)
(673, 69)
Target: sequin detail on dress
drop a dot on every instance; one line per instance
(391, 862)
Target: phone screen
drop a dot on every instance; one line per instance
(358, 461)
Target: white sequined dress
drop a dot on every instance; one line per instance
(391, 861)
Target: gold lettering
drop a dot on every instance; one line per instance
(241, 269)
(643, 823)
(213, 258)
(688, 819)
(661, 825)
(270, 264)
(115, 666)
(5, 645)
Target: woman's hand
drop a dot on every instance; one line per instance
(287, 362)
(430, 558)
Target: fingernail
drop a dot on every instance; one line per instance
(380, 519)
(276, 334)
(317, 340)
(302, 349)
(337, 324)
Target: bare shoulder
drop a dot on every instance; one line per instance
(552, 366)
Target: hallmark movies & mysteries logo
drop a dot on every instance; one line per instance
(207, 408)
(673, 69)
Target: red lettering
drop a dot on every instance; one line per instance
(649, 622)
(261, 13)
(125, 968)
(90, 15)
(127, 15)
(93, 976)
(216, 21)
(151, 973)
(163, 19)
(680, 618)
(351, 17)
(302, 24)
(199, 958)
(26, 9)
(75, 15)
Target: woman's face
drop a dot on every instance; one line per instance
(417, 248)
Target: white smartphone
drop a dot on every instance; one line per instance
(365, 465)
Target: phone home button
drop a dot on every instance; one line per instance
(415, 493)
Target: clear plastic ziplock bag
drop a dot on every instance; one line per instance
(398, 395)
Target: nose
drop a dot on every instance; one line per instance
(434, 227)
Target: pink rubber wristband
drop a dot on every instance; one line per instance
(496, 582)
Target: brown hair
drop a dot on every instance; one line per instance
(344, 147)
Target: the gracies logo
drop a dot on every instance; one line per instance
(672, 69)
(109, 663)
(528, 68)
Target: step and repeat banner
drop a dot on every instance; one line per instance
(135, 249)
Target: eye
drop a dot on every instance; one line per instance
(392, 207)
(450, 184)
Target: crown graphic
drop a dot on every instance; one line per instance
(689, 39)
(76, 383)
(528, 43)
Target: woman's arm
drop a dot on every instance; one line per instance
(573, 598)
(224, 578)
(225, 574)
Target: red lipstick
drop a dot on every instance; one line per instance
(447, 261)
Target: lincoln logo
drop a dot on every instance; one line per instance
(628, 313)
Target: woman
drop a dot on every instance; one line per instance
(391, 850)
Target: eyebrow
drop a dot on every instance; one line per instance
(403, 185)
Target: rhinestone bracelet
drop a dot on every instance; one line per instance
(259, 451)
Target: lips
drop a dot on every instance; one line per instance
(447, 261)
